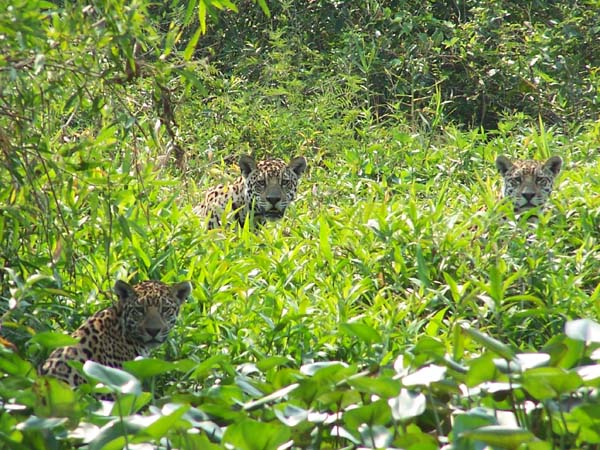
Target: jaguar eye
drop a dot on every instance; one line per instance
(261, 184)
(516, 181)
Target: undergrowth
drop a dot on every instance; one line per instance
(398, 304)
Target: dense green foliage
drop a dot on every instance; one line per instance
(391, 307)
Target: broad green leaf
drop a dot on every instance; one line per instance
(382, 386)
(564, 352)
(167, 422)
(113, 435)
(473, 419)
(376, 413)
(148, 367)
(115, 379)
(206, 366)
(253, 435)
(271, 362)
(376, 436)
(131, 403)
(52, 340)
(55, 398)
(12, 364)
(545, 383)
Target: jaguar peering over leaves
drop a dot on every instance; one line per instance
(264, 191)
(528, 183)
(141, 320)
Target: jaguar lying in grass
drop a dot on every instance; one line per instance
(264, 191)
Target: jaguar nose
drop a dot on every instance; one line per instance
(152, 332)
(273, 198)
(528, 196)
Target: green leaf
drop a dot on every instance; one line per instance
(324, 245)
(112, 436)
(148, 367)
(291, 415)
(116, 380)
(166, 423)
(376, 436)
(55, 398)
(328, 366)
(52, 340)
(545, 383)
(274, 361)
(481, 369)
(202, 16)
(501, 436)
(191, 45)
(37, 423)
(376, 413)
(252, 435)
(265, 8)
(382, 386)
(12, 364)
(361, 331)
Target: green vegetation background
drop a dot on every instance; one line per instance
(115, 116)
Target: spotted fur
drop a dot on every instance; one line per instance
(528, 183)
(140, 321)
(264, 191)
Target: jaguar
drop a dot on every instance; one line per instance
(528, 183)
(264, 191)
(138, 322)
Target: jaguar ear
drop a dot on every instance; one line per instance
(298, 165)
(553, 164)
(503, 164)
(247, 165)
(182, 290)
(124, 291)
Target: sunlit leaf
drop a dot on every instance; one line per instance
(407, 405)
(583, 330)
(117, 380)
(291, 415)
(425, 376)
